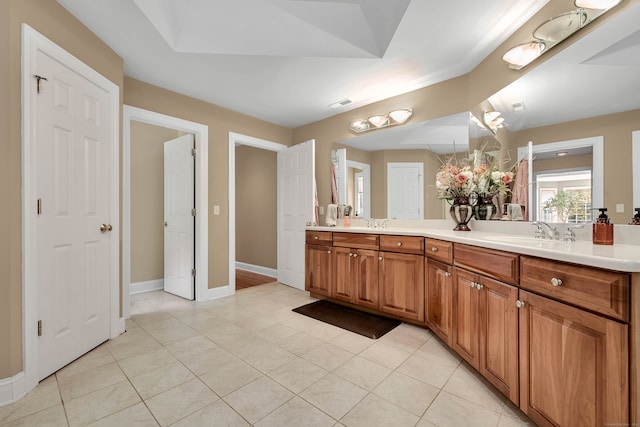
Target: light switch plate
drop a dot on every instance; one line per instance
(321, 210)
(216, 210)
(620, 208)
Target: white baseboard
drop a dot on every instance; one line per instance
(12, 389)
(219, 292)
(265, 271)
(149, 285)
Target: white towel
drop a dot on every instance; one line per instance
(332, 214)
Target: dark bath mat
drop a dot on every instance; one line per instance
(369, 325)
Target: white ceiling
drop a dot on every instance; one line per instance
(286, 61)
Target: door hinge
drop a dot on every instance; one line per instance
(193, 212)
(193, 272)
(39, 328)
(38, 80)
(194, 152)
(39, 206)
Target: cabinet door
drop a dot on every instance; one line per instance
(319, 270)
(466, 317)
(574, 367)
(366, 284)
(402, 285)
(499, 335)
(345, 274)
(438, 295)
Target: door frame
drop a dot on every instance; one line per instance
(32, 43)
(239, 139)
(366, 173)
(201, 134)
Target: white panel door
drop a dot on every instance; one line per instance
(179, 225)
(75, 165)
(296, 175)
(405, 190)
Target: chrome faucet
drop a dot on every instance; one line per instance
(552, 234)
(384, 223)
(569, 235)
(371, 223)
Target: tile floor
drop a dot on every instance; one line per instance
(249, 360)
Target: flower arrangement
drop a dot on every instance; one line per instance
(480, 176)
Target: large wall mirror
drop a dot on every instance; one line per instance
(586, 92)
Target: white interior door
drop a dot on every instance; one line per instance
(405, 190)
(179, 225)
(75, 172)
(296, 175)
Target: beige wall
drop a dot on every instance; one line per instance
(55, 23)
(256, 206)
(147, 200)
(220, 122)
(559, 163)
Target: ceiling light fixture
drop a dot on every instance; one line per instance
(555, 30)
(379, 121)
(561, 153)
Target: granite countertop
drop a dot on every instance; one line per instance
(620, 256)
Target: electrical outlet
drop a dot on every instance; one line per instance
(620, 208)
(216, 210)
(321, 210)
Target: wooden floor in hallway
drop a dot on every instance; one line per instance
(248, 279)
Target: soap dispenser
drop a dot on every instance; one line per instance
(602, 229)
(636, 218)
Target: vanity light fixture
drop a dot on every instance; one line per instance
(379, 121)
(493, 121)
(555, 30)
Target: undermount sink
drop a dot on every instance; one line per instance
(515, 238)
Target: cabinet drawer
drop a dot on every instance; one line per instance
(603, 291)
(402, 244)
(319, 237)
(356, 240)
(497, 264)
(438, 249)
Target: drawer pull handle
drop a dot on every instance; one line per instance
(399, 243)
(315, 237)
(434, 249)
(519, 304)
(556, 282)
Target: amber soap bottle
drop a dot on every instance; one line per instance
(602, 229)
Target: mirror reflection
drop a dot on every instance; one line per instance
(587, 90)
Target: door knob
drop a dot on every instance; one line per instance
(105, 227)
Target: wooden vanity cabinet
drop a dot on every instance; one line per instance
(356, 269)
(319, 269)
(439, 288)
(574, 344)
(485, 328)
(401, 276)
(356, 279)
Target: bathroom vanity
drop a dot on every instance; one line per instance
(552, 325)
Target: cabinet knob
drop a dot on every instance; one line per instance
(434, 249)
(519, 304)
(379, 258)
(399, 243)
(355, 255)
(479, 286)
(315, 237)
(329, 252)
(472, 284)
(556, 282)
(447, 274)
(350, 254)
